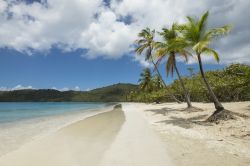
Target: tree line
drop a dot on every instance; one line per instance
(230, 84)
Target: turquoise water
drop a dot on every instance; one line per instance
(15, 111)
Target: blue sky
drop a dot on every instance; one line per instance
(60, 70)
(41, 44)
(68, 70)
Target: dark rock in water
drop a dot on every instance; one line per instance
(118, 106)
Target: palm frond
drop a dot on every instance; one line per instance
(141, 41)
(161, 52)
(200, 45)
(185, 55)
(144, 33)
(217, 32)
(179, 27)
(158, 45)
(213, 52)
(191, 20)
(203, 21)
(140, 49)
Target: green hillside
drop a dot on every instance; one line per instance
(116, 92)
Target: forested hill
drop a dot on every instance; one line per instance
(116, 92)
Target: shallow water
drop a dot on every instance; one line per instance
(15, 111)
(21, 123)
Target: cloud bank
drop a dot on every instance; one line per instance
(21, 87)
(18, 87)
(108, 29)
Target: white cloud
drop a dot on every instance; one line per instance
(64, 89)
(103, 31)
(77, 88)
(3, 6)
(142, 61)
(88, 89)
(107, 37)
(54, 88)
(18, 87)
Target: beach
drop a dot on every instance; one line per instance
(15, 134)
(191, 141)
(142, 135)
(111, 138)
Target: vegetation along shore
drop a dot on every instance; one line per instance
(191, 39)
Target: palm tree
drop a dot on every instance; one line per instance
(199, 37)
(145, 43)
(145, 80)
(157, 82)
(170, 48)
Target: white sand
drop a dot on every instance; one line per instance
(136, 144)
(115, 138)
(191, 143)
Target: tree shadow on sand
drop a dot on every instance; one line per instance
(187, 123)
(166, 110)
(248, 108)
(182, 122)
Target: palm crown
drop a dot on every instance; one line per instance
(199, 36)
(173, 44)
(145, 42)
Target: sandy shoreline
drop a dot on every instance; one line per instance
(143, 135)
(109, 139)
(16, 134)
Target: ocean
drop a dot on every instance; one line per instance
(15, 111)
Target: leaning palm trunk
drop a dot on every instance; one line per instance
(187, 97)
(219, 107)
(159, 74)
